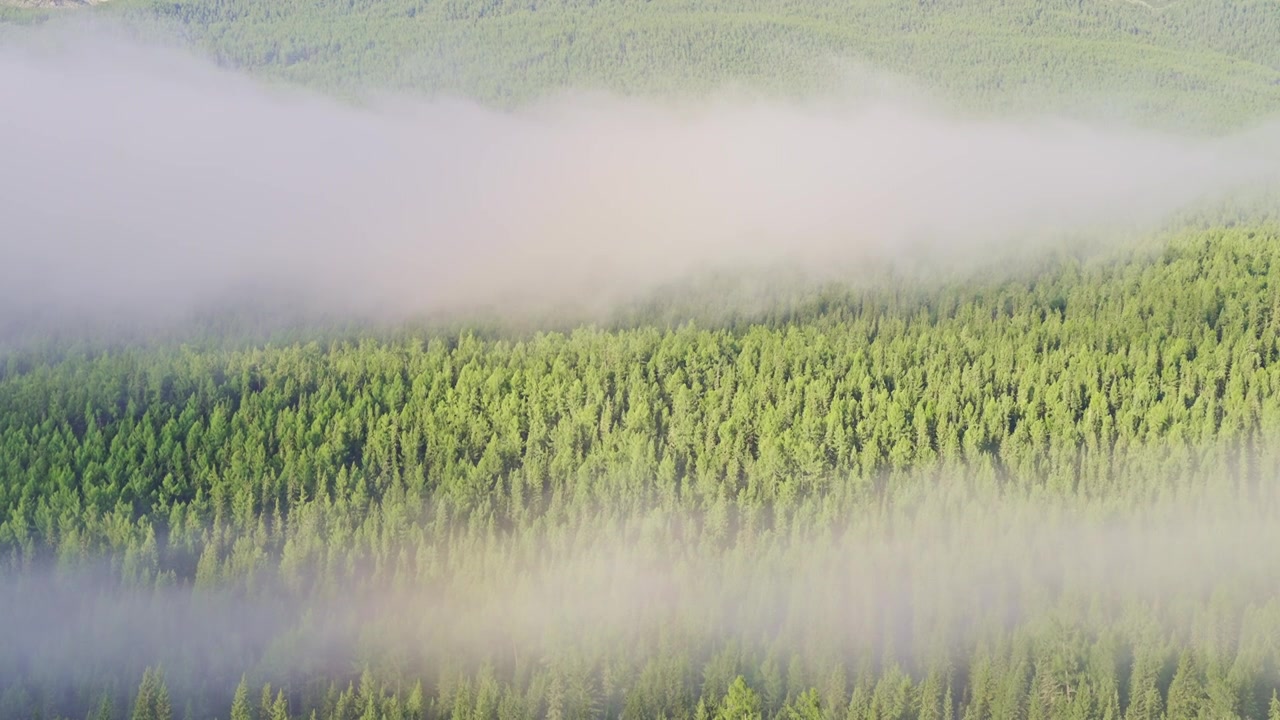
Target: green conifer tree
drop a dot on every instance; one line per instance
(740, 703)
(415, 706)
(144, 705)
(806, 706)
(280, 708)
(1186, 691)
(265, 701)
(162, 708)
(105, 709)
(240, 707)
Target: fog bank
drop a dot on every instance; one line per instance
(946, 577)
(141, 183)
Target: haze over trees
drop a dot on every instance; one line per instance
(1045, 492)
(1178, 64)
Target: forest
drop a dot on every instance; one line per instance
(1177, 65)
(1043, 487)
(396, 525)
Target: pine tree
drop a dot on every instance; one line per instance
(240, 707)
(265, 702)
(892, 697)
(162, 709)
(1145, 702)
(415, 707)
(105, 708)
(144, 706)
(861, 701)
(344, 707)
(280, 708)
(1186, 691)
(929, 697)
(806, 706)
(833, 690)
(740, 703)
(1221, 694)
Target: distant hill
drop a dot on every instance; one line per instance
(1203, 64)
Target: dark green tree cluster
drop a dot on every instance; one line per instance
(803, 518)
(1060, 378)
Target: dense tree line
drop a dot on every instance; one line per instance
(745, 463)
(1203, 64)
(1044, 495)
(1058, 376)
(975, 610)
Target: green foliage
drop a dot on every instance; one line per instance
(806, 706)
(335, 468)
(152, 701)
(791, 446)
(1211, 63)
(739, 703)
(1186, 692)
(220, 461)
(240, 708)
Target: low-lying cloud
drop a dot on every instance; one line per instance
(141, 183)
(855, 588)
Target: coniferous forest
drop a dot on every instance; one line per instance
(1038, 490)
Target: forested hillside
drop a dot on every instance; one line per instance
(1183, 64)
(1061, 379)
(404, 478)
(1043, 487)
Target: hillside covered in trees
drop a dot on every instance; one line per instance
(1041, 488)
(579, 476)
(1198, 65)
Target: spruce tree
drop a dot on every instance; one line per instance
(806, 706)
(1186, 691)
(280, 708)
(415, 706)
(240, 707)
(265, 702)
(105, 708)
(1145, 702)
(162, 708)
(740, 703)
(144, 706)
